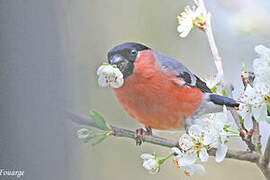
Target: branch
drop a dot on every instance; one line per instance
(266, 156)
(246, 136)
(256, 136)
(120, 132)
(263, 162)
(218, 61)
(213, 46)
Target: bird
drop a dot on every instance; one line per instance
(160, 92)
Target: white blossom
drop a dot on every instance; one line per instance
(83, 134)
(186, 161)
(188, 18)
(150, 163)
(109, 76)
(194, 142)
(252, 104)
(183, 159)
(213, 128)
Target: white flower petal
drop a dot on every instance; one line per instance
(223, 137)
(195, 131)
(100, 69)
(184, 30)
(260, 113)
(262, 50)
(203, 155)
(146, 156)
(150, 165)
(194, 168)
(186, 20)
(176, 150)
(208, 139)
(248, 122)
(109, 76)
(245, 113)
(118, 83)
(221, 152)
(198, 168)
(187, 159)
(102, 82)
(185, 142)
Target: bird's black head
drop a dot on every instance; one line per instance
(124, 56)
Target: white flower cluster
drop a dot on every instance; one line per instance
(211, 132)
(109, 76)
(254, 100)
(150, 163)
(190, 17)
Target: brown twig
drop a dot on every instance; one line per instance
(246, 137)
(266, 156)
(120, 132)
(256, 138)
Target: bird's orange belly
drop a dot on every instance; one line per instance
(157, 104)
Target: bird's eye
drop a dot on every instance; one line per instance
(133, 52)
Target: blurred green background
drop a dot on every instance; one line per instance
(95, 26)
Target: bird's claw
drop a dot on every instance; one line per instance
(140, 133)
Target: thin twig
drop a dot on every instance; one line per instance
(120, 132)
(218, 61)
(213, 46)
(246, 137)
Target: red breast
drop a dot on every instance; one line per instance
(154, 98)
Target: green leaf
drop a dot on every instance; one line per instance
(244, 68)
(99, 120)
(214, 89)
(99, 141)
(227, 126)
(224, 92)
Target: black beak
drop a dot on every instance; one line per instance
(115, 59)
(122, 64)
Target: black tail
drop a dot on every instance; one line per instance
(222, 100)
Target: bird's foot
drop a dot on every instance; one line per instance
(140, 133)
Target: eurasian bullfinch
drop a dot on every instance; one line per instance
(160, 92)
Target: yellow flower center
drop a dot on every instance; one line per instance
(198, 145)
